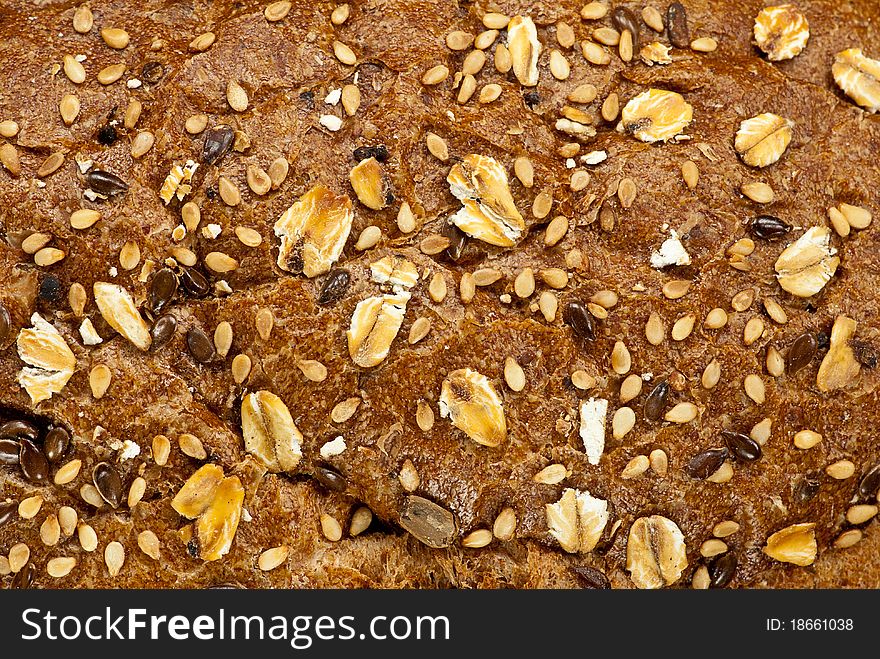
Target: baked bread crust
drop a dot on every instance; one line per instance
(287, 69)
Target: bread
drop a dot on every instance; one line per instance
(500, 398)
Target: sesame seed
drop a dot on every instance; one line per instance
(659, 461)
(477, 539)
(806, 439)
(655, 331)
(753, 330)
(548, 305)
(148, 543)
(340, 14)
(847, 539)
(583, 380)
(682, 413)
(704, 45)
(676, 289)
(485, 39)
(622, 422)
(459, 40)
(136, 491)
(435, 75)
(594, 11)
(725, 529)
(419, 330)
(711, 374)
(514, 375)
(264, 321)
(344, 54)
(467, 89)
(495, 21)
(861, 513)
(60, 567)
(161, 450)
(87, 537)
(331, 528)
(760, 432)
(683, 327)
(424, 416)
(241, 368)
(360, 521)
(437, 287)
(437, 146)
(68, 472)
(754, 388)
(114, 557)
(273, 558)
(30, 507)
(690, 173)
(713, 547)
(775, 362)
(192, 446)
(841, 470)
(313, 370)
(701, 579)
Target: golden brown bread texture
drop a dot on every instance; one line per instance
(287, 68)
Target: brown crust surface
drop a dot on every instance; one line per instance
(287, 69)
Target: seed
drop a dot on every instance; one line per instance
(655, 332)
(838, 222)
(514, 375)
(223, 335)
(630, 388)
(806, 439)
(149, 544)
(345, 409)
(753, 330)
(200, 346)
(9, 159)
(115, 37)
(114, 557)
(801, 352)
(110, 74)
(60, 567)
(276, 11)
(218, 141)
(548, 304)
(236, 96)
(368, 238)
(8, 128)
(623, 421)
(774, 362)
(19, 555)
(542, 204)
(775, 311)
(344, 54)
(467, 288)
(653, 18)
(555, 277)
(656, 401)
(340, 14)
(594, 11)
(848, 539)
(583, 380)
(743, 300)
(241, 368)
(30, 507)
(504, 527)
(701, 579)
(229, 192)
(621, 361)
(742, 447)
(611, 108)
(35, 242)
(870, 483)
(704, 464)
(758, 192)
(712, 547)
(192, 446)
(435, 75)
(856, 217)
(272, 558)
(331, 529)
(108, 483)
(136, 491)
(551, 474)
(690, 173)
(676, 289)
(524, 284)
(477, 539)
(659, 461)
(704, 45)
(32, 462)
(68, 472)
(278, 171)
(559, 66)
(360, 521)
(676, 25)
(163, 330)
(683, 327)
(50, 164)
(861, 513)
(88, 539)
(459, 40)
(436, 147)
(754, 388)
(264, 322)
(50, 531)
(220, 262)
(760, 432)
(74, 70)
(576, 316)
(606, 36)
(716, 318)
(490, 93)
(258, 180)
(48, 256)
(682, 413)
(83, 19)
(313, 370)
(202, 42)
(769, 227)
(841, 470)
(474, 62)
(467, 89)
(196, 124)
